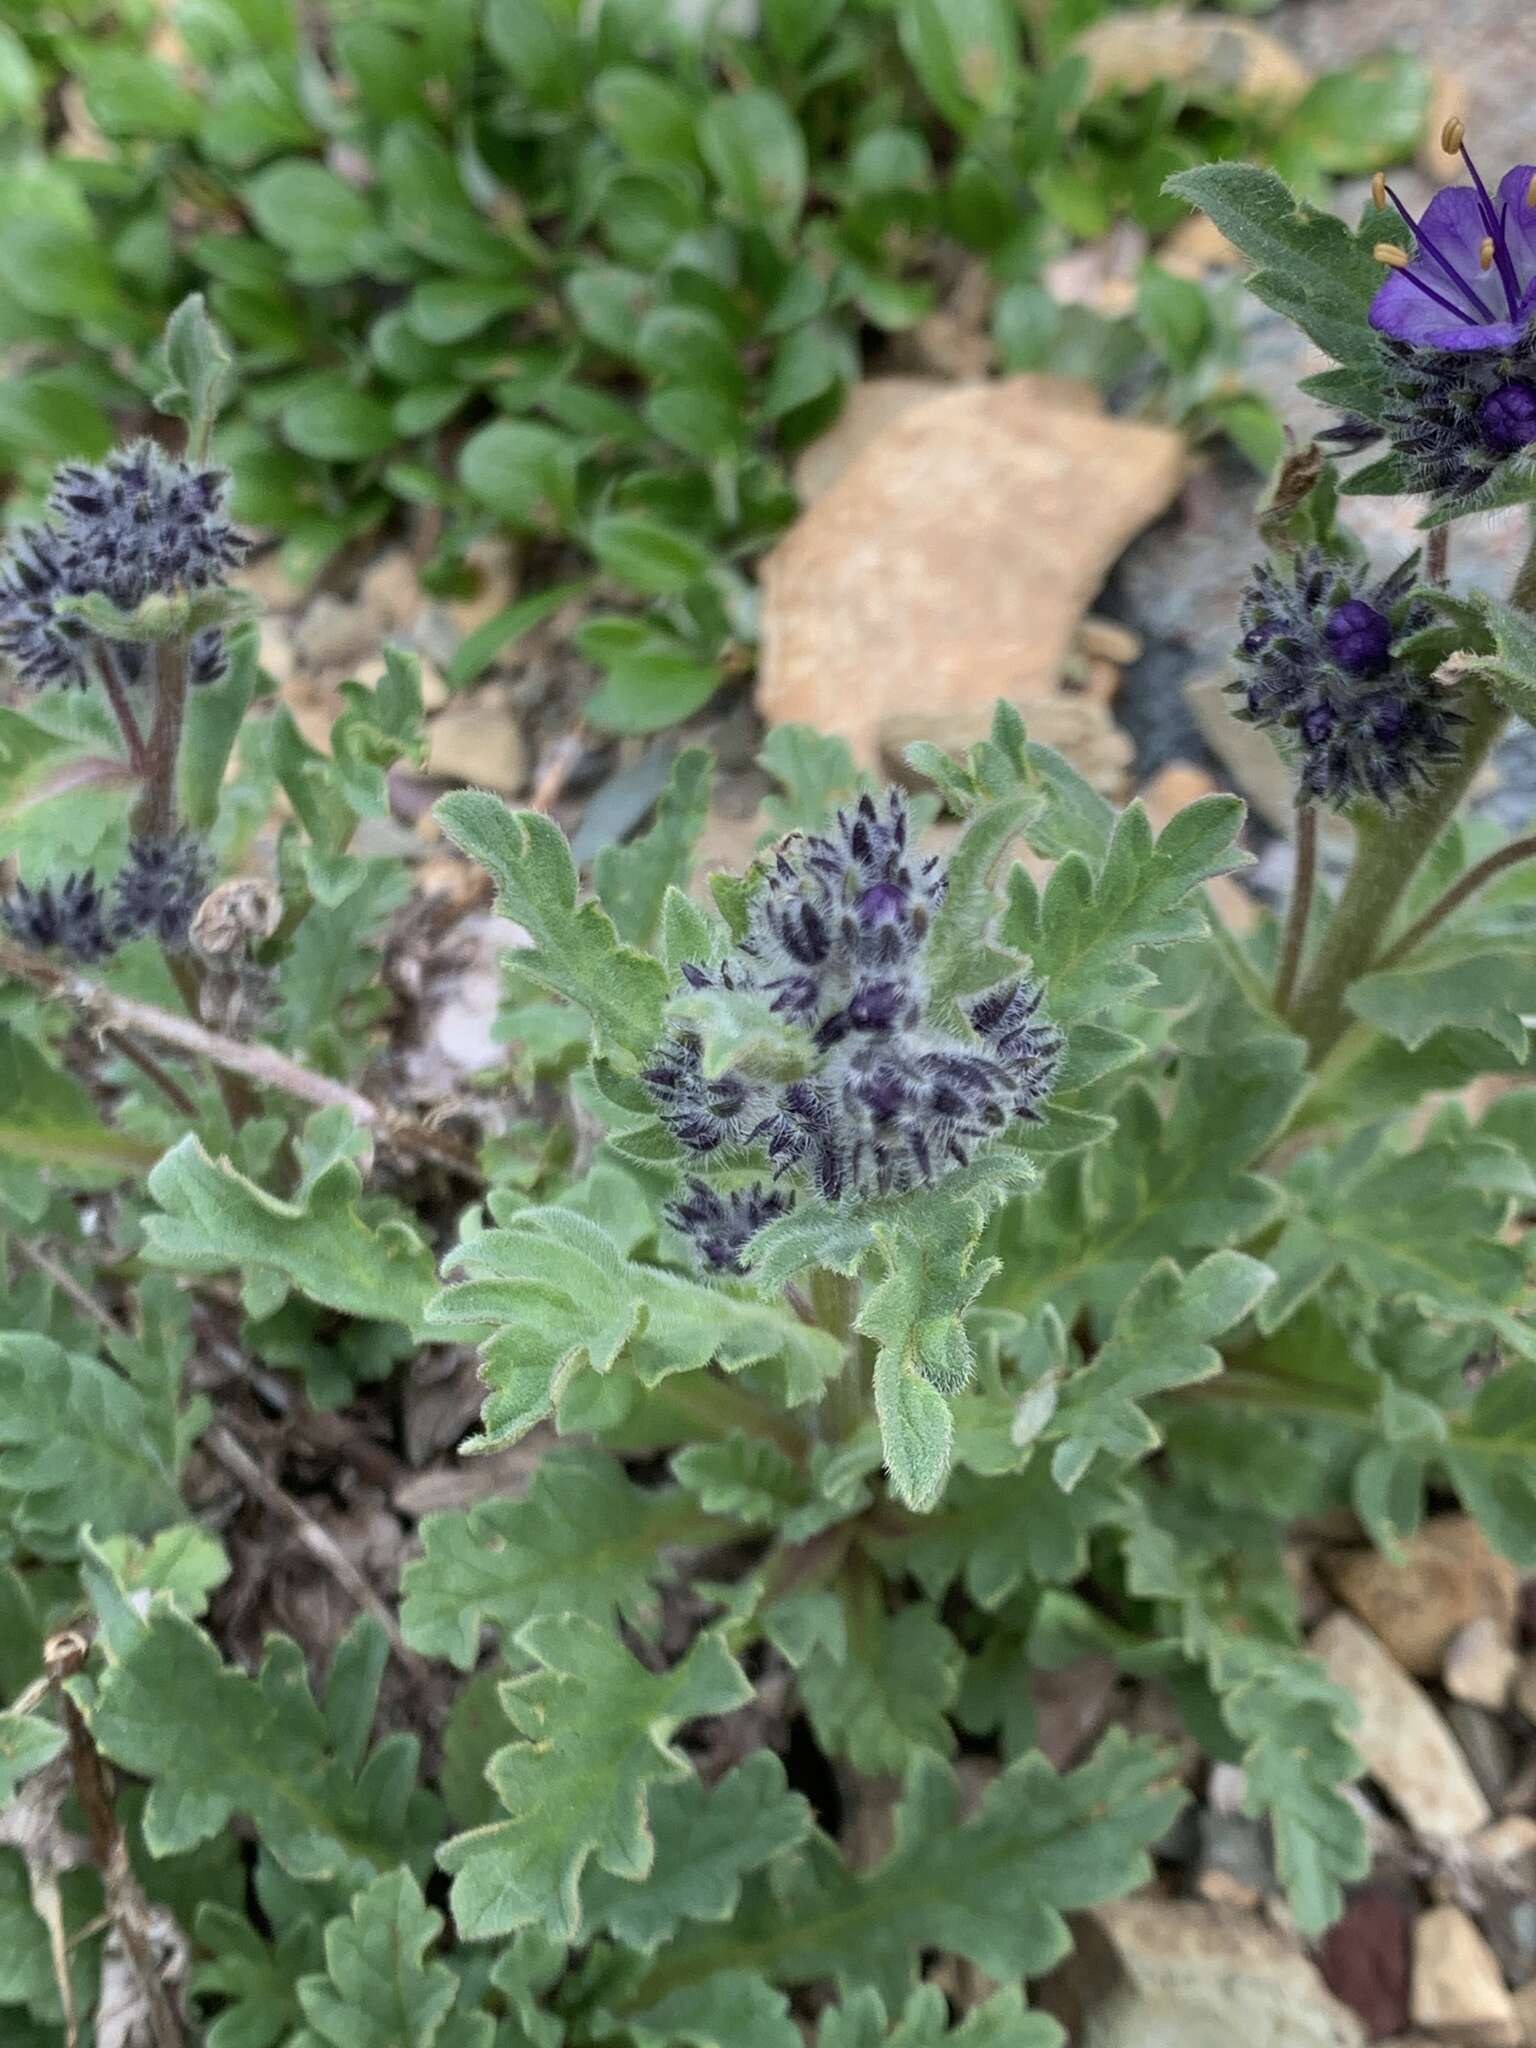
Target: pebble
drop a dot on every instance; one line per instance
(1162, 1973)
(1448, 1574)
(1405, 1744)
(1458, 1992)
(1479, 1664)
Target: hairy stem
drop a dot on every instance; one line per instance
(152, 1070)
(1459, 892)
(1388, 853)
(154, 816)
(112, 688)
(1297, 918)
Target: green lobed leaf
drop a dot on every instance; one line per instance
(77, 1445)
(887, 1696)
(1455, 981)
(576, 952)
(1084, 934)
(212, 1218)
(707, 1838)
(583, 1540)
(992, 1888)
(562, 1300)
(378, 1989)
(596, 1728)
(1159, 1340)
(216, 1743)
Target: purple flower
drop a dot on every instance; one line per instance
(69, 919)
(1506, 418)
(159, 888)
(1316, 667)
(836, 938)
(719, 1225)
(1359, 637)
(1470, 283)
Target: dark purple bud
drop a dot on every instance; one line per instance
(697, 976)
(1359, 637)
(69, 918)
(877, 1005)
(1506, 419)
(1317, 722)
(880, 902)
(796, 995)
(1389, 718)
(159, 888)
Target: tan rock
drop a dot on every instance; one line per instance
(1479, 1664)
(1405, 1744)
(1109, 640)
(951, 562)
(1196, 246)
(1163, 1973)
(1508, 1841)
(391, 590)
(872, 406)
(1458, 1992)
(332, 637)
(1213, 58)
(867, 411)
(494, 562)
(1449, 1574)
(477, 739)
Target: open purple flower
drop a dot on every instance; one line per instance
(1470, 283)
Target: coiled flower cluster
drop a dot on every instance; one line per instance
(835, 942)
(139, 524)
(1316, 666)
(156, 892)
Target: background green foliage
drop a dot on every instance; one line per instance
(587, 273)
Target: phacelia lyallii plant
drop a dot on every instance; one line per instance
(963, 1241)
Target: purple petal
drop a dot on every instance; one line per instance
(1453, 220)
(1401, 310)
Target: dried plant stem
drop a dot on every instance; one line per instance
(222, 1443)
(149, 1066)
(1437, 555)
(262, 1064)
(239, 1098)
(1459, 892)
(68, 1286)
(126, 1904)
(1300, 911)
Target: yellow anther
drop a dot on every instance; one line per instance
(1485, 253)
(1379, 190)
(1452, 135)
(1390, 254)
(1530, 191)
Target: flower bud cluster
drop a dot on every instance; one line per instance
(1316, 665)
(139, 524)
(835, 942)
(156, 891)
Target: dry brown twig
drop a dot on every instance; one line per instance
(260, 1064)
(128, 1909)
